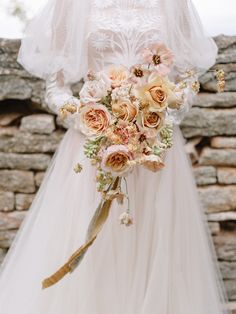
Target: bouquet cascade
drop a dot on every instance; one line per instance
(125, 116)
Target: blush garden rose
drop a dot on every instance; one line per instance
(116, 159)
(94, 119)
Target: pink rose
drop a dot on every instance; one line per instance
(116, 160)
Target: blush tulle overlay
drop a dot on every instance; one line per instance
(163, 264)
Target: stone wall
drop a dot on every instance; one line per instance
(29, 135)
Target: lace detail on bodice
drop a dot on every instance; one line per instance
(120, 29)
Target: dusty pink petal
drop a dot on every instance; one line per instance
(147, 55)
(163, 69)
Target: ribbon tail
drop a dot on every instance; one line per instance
(96, 224)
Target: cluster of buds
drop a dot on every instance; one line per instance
(78, 168)
(220, 75)
(66, 109)
(126, 219)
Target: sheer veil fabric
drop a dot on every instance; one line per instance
(165, 263)
(56, 38)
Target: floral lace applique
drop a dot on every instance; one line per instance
(120, 29)
(102, 4)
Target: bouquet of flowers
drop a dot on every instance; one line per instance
(124, 115)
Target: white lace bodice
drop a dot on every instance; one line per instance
(120, 29)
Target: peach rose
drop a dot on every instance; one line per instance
(153, 163)
(116, 159)
(118, 75)
(153, 120)
(158, 94)
(125, 110)
(94, 119)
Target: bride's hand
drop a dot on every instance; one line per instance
(59, 95)
(68, 112)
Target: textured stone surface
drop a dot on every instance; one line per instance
(38, 123)
(216, 198)
(225, 243)
(222, 100)
(190, 148)
(24, 161)
(214, 227)
(39, 178)
(7, 236)
(232, 307)
(17, 181)
(228, 270)
(23, 201)
(9, 224)
(11, 220)
(223, 142)
(218, 157)
(227, 48)
(222, 216)
(209, 122)
(205, 175)
(231, 289)
(7, 201)
(226, 175)
(8, 118)
(13, 141)
(2, 254)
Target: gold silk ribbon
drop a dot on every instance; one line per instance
(96, 224)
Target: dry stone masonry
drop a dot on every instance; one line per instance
(29, 135)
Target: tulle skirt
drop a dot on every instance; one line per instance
(163, 264)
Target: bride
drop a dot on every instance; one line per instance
(164, 263)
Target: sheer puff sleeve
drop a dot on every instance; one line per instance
(54, 48)
(193, 49)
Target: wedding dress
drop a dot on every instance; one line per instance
(164, 263)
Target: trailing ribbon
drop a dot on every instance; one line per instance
(96, 224)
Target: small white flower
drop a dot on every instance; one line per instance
(126, 219)
(122, 92)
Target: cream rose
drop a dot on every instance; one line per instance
(155, 94)
(94, 119)
(153, 163)
(118, 75)
(125, 110)
(93, 91)
(116, 160)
